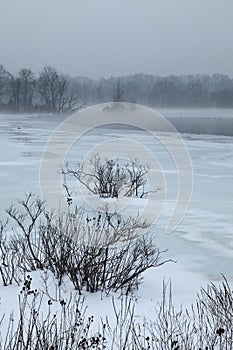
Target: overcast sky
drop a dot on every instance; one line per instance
(100, 38)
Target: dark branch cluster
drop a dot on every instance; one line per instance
(111, 178)
(102, 253)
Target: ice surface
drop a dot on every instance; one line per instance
(202, 244)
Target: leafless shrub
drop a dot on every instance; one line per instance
(59, 246)
(65, 328)
(125, 333)
(9, 259)
(105, 229)
(27, 219)
(208, 326)
(214, 316)
(172, 329)
(108, 268)
(112, 177)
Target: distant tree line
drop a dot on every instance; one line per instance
(52, 91)
(156, 91)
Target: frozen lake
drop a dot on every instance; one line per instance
(202, 244)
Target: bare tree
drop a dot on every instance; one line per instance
(22, 89)
(48, 87)
(3, 75)
(27, 88)
(14, 85)
(118, 95)
(55, 91)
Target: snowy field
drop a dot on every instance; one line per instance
(202, 245)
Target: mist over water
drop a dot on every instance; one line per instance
(201, 121)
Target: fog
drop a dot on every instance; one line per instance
(107, 37)
(209, 121)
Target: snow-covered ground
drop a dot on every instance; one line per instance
(202, 244)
